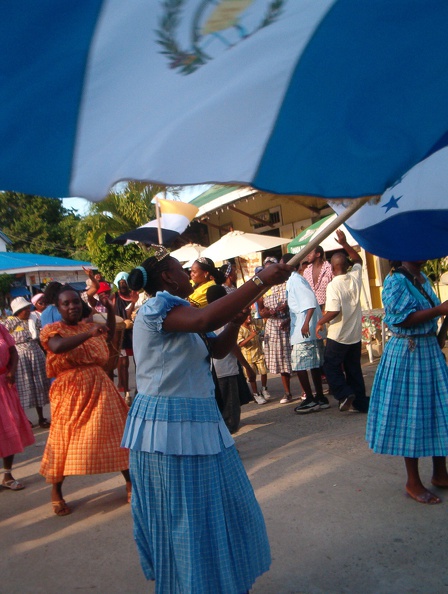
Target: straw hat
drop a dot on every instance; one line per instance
(18, 304)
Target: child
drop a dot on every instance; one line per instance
(250, 345)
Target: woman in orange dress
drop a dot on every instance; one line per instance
(88, 413)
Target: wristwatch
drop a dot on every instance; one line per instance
(257, 280)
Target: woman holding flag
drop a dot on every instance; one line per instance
(197, 523)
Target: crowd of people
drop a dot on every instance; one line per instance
(200, 345)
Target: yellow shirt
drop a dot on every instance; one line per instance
(199, 296)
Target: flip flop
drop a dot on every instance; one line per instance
(427, 497)
(13, 485)
(44, 424)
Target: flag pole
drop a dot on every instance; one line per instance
(159, 224)
(355, 205)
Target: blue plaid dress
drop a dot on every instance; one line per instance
(197, 524)
(408, 413)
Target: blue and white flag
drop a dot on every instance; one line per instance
(410, 222)
(175, 216)
(332, 98)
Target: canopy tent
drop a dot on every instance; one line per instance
(20, 263)
(238, 243)
(188, 252)
(328, 244)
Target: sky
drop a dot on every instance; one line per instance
(81, 205)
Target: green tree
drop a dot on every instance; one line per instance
(434, 270)
(122, 210)
(5, 287)
(38, 225)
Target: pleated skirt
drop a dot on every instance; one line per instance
(32, 382)
(15, 430)
(197, 524)
(408, 413)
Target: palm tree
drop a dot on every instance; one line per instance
(124, 208)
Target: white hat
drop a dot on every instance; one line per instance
(18, 304)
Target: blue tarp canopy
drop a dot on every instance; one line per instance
(19, 292)
(19, 263)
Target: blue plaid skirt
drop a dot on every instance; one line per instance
(197, 524)
(408, 413)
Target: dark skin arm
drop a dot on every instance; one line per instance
(243, 343)
(243, 362)
(420, 317)
(57, 344)
(222, 345)
(130, 310)
(352, 253)
(222, 311)
(329, 315)
(225, 342)
(306, 324)
(12, 365)
(94, 286)
(111, 323)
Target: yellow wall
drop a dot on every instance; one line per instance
(291, 213)
(443, 292)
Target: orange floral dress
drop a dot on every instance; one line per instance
(88, 414)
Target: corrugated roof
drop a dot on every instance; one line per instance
(212, 194)
(218, 196)
(18, 262)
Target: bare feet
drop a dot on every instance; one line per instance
(442, 482)
(422, 495)
(128, 491)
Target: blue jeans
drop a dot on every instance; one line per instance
(342, 366)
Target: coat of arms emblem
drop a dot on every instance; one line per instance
(193, 33)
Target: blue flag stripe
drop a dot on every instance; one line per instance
(52, 40)
(411, 236)
(339, 118)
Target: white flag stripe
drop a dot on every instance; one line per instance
(126, 56)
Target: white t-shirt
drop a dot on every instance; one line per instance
(343, 295)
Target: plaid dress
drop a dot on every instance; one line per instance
(408, 413)
(32, 382)
(88, 414)
(197, 524)
(277, 346)
(15, 430)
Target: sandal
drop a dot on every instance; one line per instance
(13, 485)
(60, 508)
(44, 423)
(128, 492)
